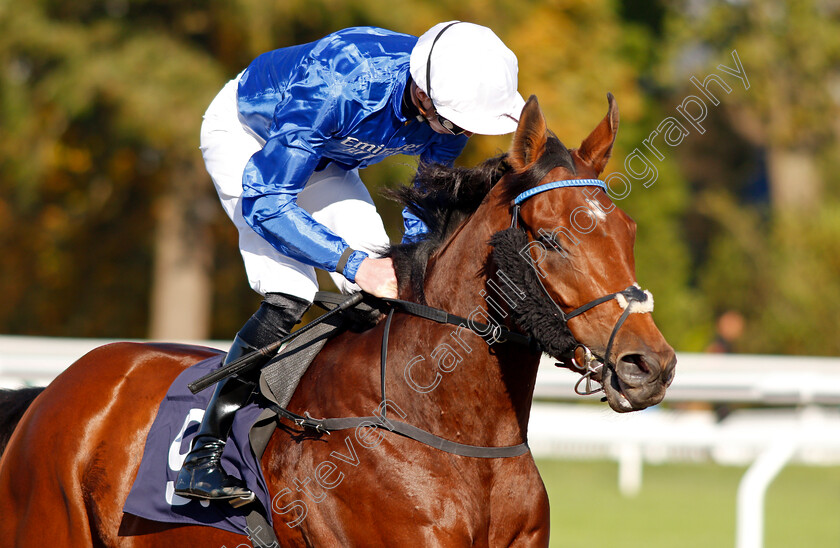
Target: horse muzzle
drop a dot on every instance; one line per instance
(638, 380)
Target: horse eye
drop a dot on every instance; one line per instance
(551, 244)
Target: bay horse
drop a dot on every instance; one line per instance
(72, 458)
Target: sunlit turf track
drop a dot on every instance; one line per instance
(686, 506)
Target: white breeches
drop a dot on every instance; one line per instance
(335, 198)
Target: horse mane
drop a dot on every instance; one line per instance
(444, 197)
(13, 404)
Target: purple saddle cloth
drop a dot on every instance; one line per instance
(179, 416)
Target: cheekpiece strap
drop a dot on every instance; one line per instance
(514, 216)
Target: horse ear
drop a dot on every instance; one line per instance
(597, 148)
(530, 137)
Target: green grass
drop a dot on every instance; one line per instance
(686, 506)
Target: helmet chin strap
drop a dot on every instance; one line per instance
(423, 114)
(429, 59)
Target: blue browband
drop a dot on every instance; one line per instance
(559, 184)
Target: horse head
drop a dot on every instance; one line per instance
(559, 266)
(585, 307)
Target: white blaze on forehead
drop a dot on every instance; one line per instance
(596, 210)
(636, 307)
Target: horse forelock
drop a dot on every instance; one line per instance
(444, 197)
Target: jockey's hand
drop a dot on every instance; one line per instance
(377, 277)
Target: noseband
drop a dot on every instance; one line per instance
(633, 299)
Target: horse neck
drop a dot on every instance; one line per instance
(495, 379)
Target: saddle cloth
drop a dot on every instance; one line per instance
(179, 416)
(167, 444)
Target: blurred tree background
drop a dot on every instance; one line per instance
(109, 225)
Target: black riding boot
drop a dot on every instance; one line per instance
(201, 476)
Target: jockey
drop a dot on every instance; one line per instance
(283, 143)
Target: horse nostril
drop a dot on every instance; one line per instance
(639, 361)
(634, 369)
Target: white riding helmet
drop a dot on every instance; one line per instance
(470, 75)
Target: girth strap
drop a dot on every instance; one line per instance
(404, 429)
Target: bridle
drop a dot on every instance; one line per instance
(633, 299)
